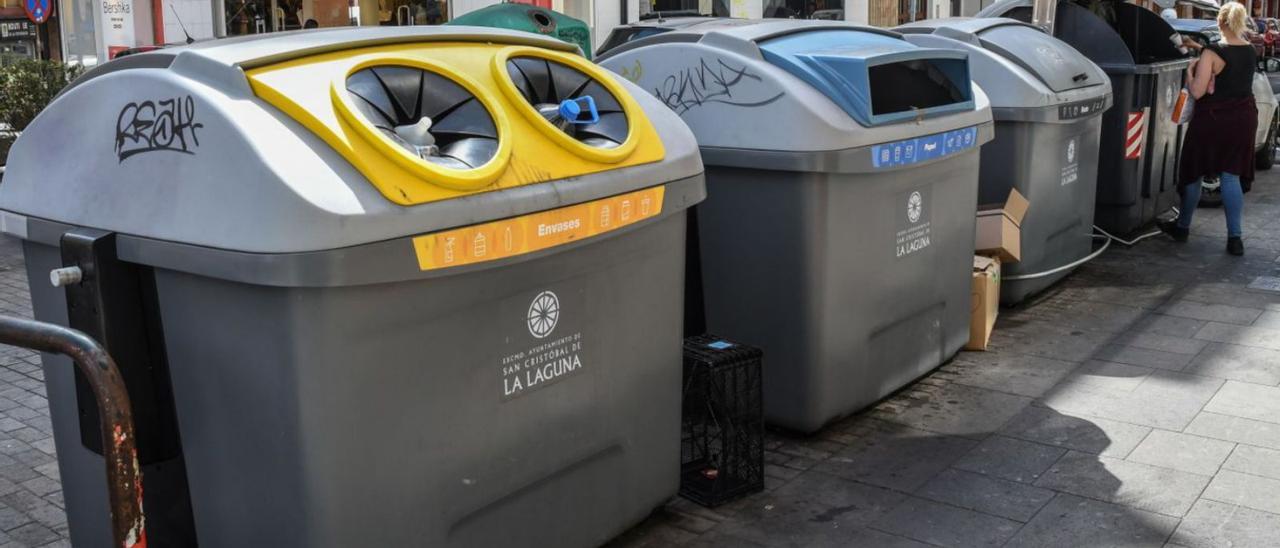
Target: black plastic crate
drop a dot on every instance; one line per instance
(722, 426)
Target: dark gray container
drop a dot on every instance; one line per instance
(1048, 101)
(1139, 145)
(838, 235)
(328, 391)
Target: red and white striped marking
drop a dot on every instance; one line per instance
(1135, 134)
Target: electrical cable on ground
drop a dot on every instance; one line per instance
(1106, 236)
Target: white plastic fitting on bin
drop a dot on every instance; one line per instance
(65, 276)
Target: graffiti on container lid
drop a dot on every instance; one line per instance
(714, 82)
(163, 125)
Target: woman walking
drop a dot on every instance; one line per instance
(1220, 137)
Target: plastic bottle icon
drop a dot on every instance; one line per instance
(480, 246)
(605, 213)
(448, 249)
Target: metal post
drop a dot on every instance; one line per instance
(1043, 13)
(124, 477)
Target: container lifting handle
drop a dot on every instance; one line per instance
(1080, 77)
(124, 477)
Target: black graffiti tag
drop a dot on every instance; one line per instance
(147, 126)
(707, 83)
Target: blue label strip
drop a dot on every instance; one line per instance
(921, 149)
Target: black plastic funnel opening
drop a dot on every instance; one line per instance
(427, 114)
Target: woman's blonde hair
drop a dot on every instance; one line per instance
(1232, 17)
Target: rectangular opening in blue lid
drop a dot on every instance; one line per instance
(917, 84)
(876, 78)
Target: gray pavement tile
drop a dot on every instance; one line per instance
(1212, 524)
(1109, 375)
(1099, 316)
(41, 485)
(998, 497)
(1008, 372)
(953, 409)
(1211, 312)
(1240, 363)
(1147, 409)
(1240, 430)
(1248, 490)
(33, 534)
(1258, 461)
(1242, 335)
(814, 509)
(717, 539)
(1250, 401)
(1269, 319)
(12, 518)
(1010, 458)
(1184, 452)
(1088, 435)
(1145, 357)
(1231, 295)
(1180, 344)
(1174, 328)
(944, 525)
(1181, 385)
(1071, 522)
(1046, 340)
(898, 457)
(1151, 488)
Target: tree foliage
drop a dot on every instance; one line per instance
(26, 87)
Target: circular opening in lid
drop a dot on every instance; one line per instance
(572, 101)
(428, 115)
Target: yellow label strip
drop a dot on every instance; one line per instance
(535, 231)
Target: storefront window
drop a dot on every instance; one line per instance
(831, 10)
(679, 8)
(259, 16)
(17, 41)
(80, 41)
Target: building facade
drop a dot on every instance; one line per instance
(92, 31)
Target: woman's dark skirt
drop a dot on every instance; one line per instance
(1220, 138)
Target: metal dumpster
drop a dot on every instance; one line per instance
(842, 174)
(363, 290)
(1047, 101)
(1139, 147)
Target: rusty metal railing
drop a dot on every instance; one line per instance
(124, 477)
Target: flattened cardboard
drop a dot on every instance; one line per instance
(985, 301)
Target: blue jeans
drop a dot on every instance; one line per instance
(1232, 203)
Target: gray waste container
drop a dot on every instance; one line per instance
(842, 170)
(1047, 100)
(1140, 144)
(336, 333)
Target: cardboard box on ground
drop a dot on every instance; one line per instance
(998, 240)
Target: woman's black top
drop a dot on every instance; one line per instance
(1236, 79)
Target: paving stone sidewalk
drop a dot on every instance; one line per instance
(1135, 404)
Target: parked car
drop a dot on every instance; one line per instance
(1206, 32)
